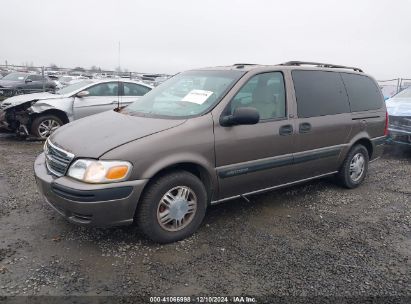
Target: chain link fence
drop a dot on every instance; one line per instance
(390, 87)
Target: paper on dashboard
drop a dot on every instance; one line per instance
(197, 96)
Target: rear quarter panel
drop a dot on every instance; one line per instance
(370, 125)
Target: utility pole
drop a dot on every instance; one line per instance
(119, 63)
(44, 79)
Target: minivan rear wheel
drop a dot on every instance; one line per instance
(355, 167)
(172, 208)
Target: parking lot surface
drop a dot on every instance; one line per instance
(308, 240)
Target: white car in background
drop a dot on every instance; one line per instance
(40, 114)
(399, 111)
(68, 79)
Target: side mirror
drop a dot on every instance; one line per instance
(28, 80)
(82, 94)
(242, 116)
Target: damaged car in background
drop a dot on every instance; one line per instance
(40, 114)
(399, 111)
(22, 83)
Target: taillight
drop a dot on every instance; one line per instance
(386, 124)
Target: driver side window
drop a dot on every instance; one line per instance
(104, 89)
(264, 92)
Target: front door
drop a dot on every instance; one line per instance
(102, 97)
(35, 84)
(255, 157)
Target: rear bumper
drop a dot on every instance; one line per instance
(98, 205)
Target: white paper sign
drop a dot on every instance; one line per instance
(197, 96)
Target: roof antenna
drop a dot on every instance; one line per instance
(118, 79)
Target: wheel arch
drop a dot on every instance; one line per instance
(366, 142)
(59, 113)
(362, 138)
(194, 168)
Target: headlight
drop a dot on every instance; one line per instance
(99, 171)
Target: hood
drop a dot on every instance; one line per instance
(93, 136)
(9, 83)
(20, 99)
(399, 106)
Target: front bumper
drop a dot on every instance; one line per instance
(6, 91)
(98, 205)
(3, 122)
(399, 136)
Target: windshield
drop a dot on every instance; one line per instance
(15, 77)
(187, 94)
(74, 87)
(404, 94)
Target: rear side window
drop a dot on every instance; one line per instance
(319, 93)
(363, 93)
(104, 89)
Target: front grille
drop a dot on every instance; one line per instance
(400, 122)
(6, 92)
(57, 160)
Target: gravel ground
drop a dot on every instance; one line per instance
(315, 239)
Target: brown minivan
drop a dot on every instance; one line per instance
(210, 135)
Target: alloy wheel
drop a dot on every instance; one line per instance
(48, 126)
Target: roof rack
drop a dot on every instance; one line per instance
(241, 65)
(321, 65)
(245, 64)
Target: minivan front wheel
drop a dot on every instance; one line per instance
(172, 208)
(355, 167)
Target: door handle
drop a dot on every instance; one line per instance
(286, 130)
(305, 127)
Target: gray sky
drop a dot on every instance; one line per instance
(175, 35)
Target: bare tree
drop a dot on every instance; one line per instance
(80, 69)
(95, 69)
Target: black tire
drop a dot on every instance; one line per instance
(147, 210)
(344, 176)
(35, 129)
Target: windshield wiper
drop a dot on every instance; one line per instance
(127, 111)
